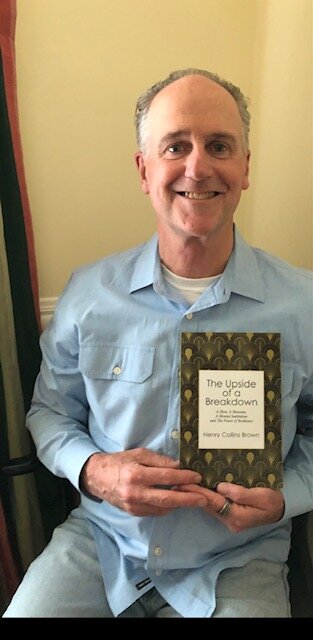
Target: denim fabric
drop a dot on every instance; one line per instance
(66, 581)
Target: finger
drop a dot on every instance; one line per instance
(153, 459)
(257, 497)
(168, 477)
(168, 499)
(214, 500)
(139, 474)
(139, 509)
(147, 510)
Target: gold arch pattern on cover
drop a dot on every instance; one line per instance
(232, 351)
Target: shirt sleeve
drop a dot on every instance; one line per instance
(298, 475)
(58, 417)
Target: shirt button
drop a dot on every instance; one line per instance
(157, 551)
(175, 434)
(189, 316)
(117, 370)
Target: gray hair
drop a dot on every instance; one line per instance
(144, 102)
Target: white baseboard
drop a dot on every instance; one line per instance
(47, 306)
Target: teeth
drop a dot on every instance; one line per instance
(193, 195)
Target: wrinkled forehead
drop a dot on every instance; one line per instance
(195, 103)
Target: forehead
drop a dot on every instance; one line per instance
(195, 103)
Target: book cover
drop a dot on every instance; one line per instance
(231, 408)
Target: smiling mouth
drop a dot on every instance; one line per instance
(194, 195)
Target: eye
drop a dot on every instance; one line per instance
(219, 149)
(175, 149)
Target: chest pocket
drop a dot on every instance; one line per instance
(113, 362)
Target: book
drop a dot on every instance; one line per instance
(230, 396)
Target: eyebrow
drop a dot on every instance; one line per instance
(174, 135)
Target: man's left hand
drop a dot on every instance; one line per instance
(248, 507)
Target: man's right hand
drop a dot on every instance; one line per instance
(134, 480)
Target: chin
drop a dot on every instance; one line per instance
(197, 231)
(201, 225)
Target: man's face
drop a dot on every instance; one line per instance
(196, 162)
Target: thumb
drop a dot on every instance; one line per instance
(254, 497)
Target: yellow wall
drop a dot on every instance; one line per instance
(280, 201)
(80, 67)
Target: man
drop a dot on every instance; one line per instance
(147, 540)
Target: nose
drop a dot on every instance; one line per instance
(198, 164)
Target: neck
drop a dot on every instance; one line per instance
(195, 257)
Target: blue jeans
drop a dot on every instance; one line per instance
(65, 581)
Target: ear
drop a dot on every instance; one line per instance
(141, 166)
(245, 180)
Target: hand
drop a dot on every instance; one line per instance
(134, 480)
(249, 507)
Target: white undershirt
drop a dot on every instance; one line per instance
(189, 288)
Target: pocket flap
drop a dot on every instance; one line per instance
(113, 362)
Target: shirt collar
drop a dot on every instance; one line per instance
(143, 275)
(241, 274)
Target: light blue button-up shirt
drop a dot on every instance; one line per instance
(110, 381)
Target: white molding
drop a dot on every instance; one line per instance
(47, 306)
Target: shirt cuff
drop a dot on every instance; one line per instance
(296, 494)
(73, 456)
